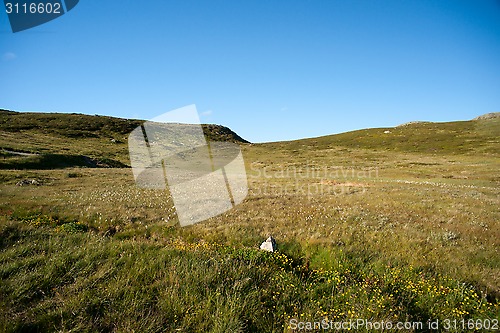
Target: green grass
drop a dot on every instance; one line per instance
(368, 226)
(69, 140)
(56, 161)
(460, 137)
(56, 279)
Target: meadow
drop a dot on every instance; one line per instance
(393, 224)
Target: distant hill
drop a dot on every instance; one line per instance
(51, 140)
(488, 116)
(478, 136)
(80, 125)
(57, 140)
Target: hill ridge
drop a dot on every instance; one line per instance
(41, 140)
(477, 136)
(80, 125)
(63, 140)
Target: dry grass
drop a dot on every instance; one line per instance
(418, 232)
(410, 209)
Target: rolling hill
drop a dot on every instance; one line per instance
(51, 140)
(478, 136)
(57, 140)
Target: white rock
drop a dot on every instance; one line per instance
(387, 132)
(269, 244)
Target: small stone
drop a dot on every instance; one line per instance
(28, 182)
(269, 245)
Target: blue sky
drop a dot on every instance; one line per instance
(269, 70)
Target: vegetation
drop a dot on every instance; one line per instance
(65, 140)
(366, 228)
(460, 137)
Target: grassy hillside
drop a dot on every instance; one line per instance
(369, 226)
(480, 136)
(64, 140)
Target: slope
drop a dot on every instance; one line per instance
(479, 136)
(31, 140)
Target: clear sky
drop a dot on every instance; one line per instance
(269, 70)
